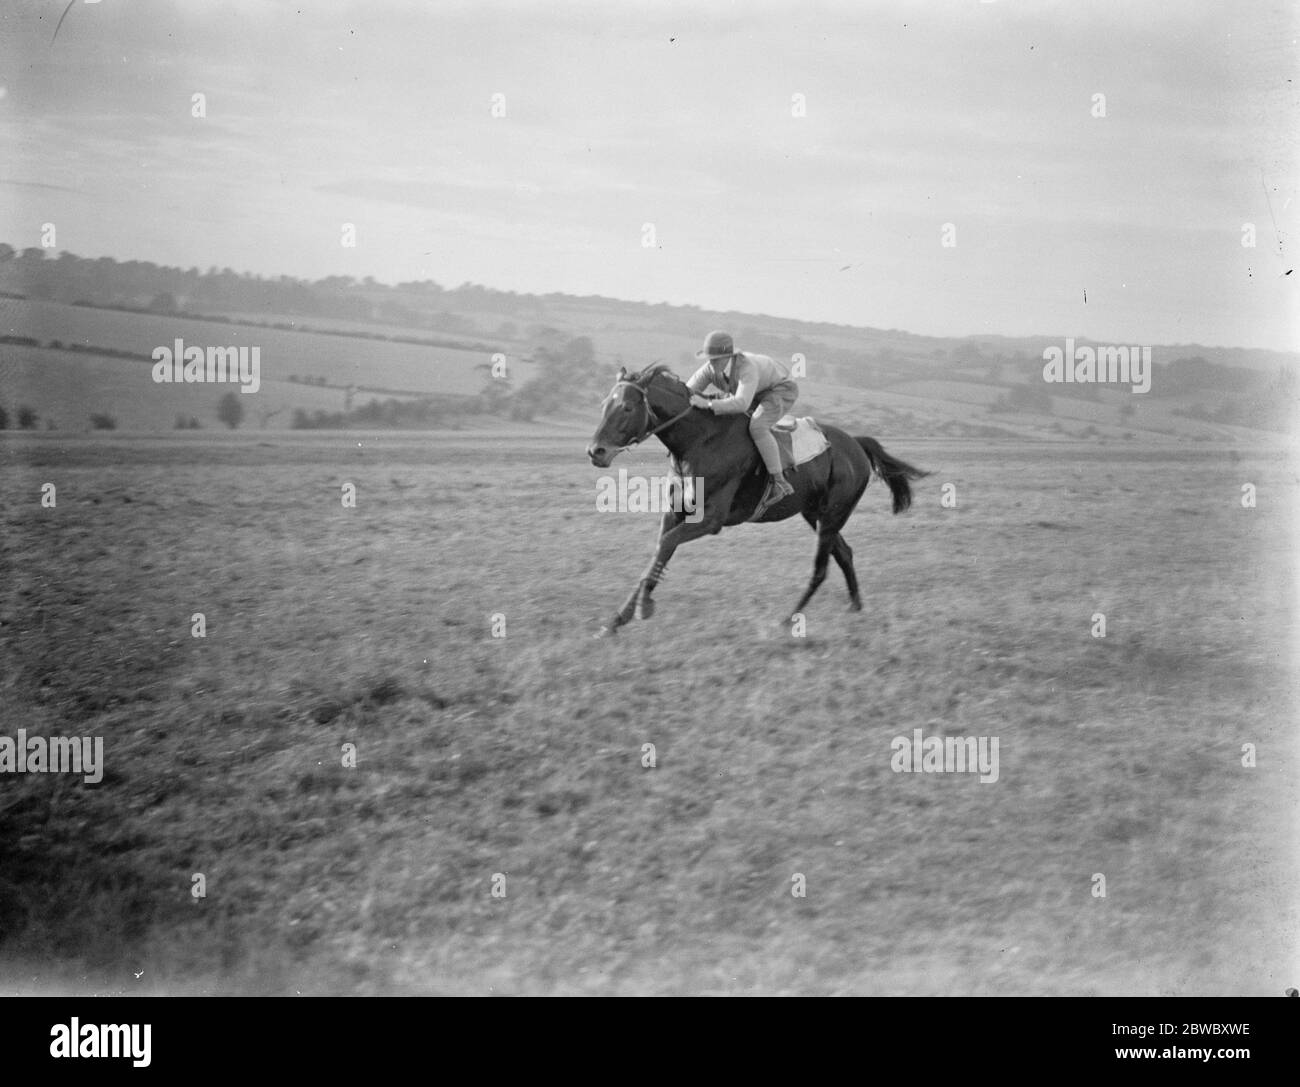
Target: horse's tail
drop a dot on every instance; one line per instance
(893, 471)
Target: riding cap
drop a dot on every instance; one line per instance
(717, 345)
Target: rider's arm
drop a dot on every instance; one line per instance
(701, 379)
(747, 378)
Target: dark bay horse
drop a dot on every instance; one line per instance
(718, 450)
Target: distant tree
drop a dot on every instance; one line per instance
(1230, 411)
(1283, 382)
(103, 421)
(4, 418)
(7, 253)
(26, 418)
(1033, 398)
(1189, 375)
(564, 373)
(496, 393)
(369, 413)
(496, 397)
(163, 302)
(1030, 398)
(231, 410)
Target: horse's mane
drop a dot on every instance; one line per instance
(657, 371)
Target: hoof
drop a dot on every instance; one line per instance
(855, 605)
(607, 631)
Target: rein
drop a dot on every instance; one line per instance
(650, 415)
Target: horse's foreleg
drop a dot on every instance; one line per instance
(669, 541)
(639, 602)
(645, 605)
(675, 530)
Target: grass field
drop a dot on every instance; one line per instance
(67, 388)
(340, 360)
(522, 755)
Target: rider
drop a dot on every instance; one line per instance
(748, 378)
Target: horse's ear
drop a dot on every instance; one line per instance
(622, 373)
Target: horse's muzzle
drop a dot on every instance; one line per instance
(600, 456)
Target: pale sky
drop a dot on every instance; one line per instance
(681, 115)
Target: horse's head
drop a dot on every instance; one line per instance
(635, 405)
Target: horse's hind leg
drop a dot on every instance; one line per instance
(843, 555)
(825, 541)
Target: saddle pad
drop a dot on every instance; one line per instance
(799, 440)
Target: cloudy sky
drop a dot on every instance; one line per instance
(916, 115)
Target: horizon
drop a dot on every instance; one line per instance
(978, 115)
(1049, 338)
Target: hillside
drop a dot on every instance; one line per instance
(77, 336)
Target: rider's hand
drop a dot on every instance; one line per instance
(698, 401)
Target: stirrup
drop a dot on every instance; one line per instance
(769, 498)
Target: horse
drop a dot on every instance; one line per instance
(718, 450)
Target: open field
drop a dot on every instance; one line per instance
(522, 755)
(340, 360)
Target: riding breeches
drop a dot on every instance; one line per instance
(772, 404)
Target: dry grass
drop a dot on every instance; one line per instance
(522, 755)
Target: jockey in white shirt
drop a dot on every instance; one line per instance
(748, 379)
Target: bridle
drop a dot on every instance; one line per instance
(649, 413)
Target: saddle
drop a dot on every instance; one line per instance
(799, 440)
